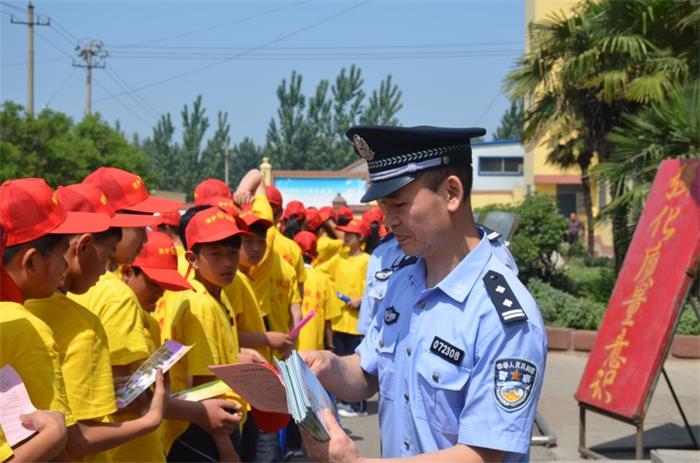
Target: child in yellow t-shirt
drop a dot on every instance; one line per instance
(37, 228)
(348, 275)
(203, 320)
(318, 296)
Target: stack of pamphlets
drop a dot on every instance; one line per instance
(290, 389)
(306, 397)
(14, 401)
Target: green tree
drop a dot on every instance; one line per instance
(53, 147)
(511, 127)
(608, 58)
(538, 236)
(383, 105)
(212, 161)
(245, 155)
(309, 133)
(162, 153)
(667, 130)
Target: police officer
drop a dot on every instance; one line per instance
(457, 350)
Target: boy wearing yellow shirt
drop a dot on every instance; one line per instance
(318, 296)
(22, 344)
(348, 275)
(203, 320)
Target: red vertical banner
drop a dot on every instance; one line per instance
(645, 305)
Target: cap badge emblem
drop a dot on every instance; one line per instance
(362, 147)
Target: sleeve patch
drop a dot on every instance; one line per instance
(514, 381)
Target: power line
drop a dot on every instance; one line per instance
(53, 45)
(266, 44)
(60, 87)
(133, 113)
(65, 31)
(326, 47)
(9, 5)
(58, 30)
(216, 26)
(142, 103)
(48, 60)
(488, 106)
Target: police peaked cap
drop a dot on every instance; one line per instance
(396, 155)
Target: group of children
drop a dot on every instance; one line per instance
(96, 275)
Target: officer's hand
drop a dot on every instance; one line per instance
(340, 448)
(320, 361)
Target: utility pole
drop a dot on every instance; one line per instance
(30, 23)
(94, 54)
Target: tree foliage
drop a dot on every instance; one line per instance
(52, 146)
(511, 126)
(584, 71)
(309, 133)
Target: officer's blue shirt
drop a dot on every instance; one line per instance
(450, 369)
(381, 261)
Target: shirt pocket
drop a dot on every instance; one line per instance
(440, 393)
(376, 290)
(386, 348)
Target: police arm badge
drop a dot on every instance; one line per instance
(514, 382)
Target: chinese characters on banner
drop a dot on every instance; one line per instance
(643, 310)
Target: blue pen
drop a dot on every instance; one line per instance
(343, 297)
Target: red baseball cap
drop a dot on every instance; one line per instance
(326, 212)
(355, 226)
(158, 260)
(295, 208)
(209, 188)
(373, 215)
(307, 242)
(8, 289)
(223, 202)
(211, 225)
(270, 421)
(126, 191)
(313, 219)
(87, 197)
(274, 196)
(169, 218)
(30, 209)
(251, 218)
(343, 211)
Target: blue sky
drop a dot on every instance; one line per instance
(448, 58)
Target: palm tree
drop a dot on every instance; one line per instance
(584, 71)
(662, 131)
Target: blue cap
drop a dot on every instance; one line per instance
(396, 155)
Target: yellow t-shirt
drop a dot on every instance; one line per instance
(288, 250)
(148, 447)
(348, 275)
(318, 296)
(246, 309)
(119, 311)
(84, 355)
(275, 285)
(326, 249)
(27, 344)
(5, 449)
(201, 321)
(205, 323)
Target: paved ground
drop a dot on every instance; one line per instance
(663, 425)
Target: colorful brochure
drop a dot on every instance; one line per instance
(14, 401)
(292, 389)
(163, 358)
(202, 392)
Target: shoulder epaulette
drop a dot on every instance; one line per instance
(399, 262)
(490, 234)
(507, 306)
(387, 237)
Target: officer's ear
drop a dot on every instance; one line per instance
(453, 191)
